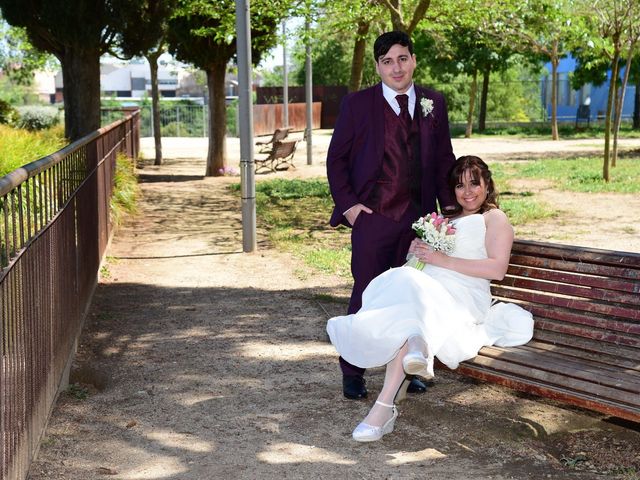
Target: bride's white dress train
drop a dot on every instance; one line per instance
(451, 311)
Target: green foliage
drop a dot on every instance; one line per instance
(521, 209)
(280, 189)
(8, 114)
(18, 58)
(232, 118)
(514, 95)
(584, 174)
(38, 118)
(296, 213)
(19, 147)
(142, 25)
(77, 32)
(202, 32)
(543, 130)
(16, 94)
(331, 62)
(126, 189)
(78, 391)
(331, 57)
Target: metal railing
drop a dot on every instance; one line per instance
(54, 230)
(178, 120)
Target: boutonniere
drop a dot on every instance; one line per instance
(427, 106)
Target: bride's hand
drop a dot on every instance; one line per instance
(412, 246)
(426, 254)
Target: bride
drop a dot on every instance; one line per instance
(409, 316)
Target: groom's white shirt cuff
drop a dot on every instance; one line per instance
(390, 96)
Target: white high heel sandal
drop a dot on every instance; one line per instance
(414, 363)
(368, 433)
(418, 361)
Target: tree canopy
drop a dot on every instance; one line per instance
(203, 33)
(77, 32)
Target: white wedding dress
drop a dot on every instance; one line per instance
(451, 311)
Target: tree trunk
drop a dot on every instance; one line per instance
(636, 106)
(482, 120)
(81, 90)
(155, 105)
(472, 104)
(554, 98)
(359, 49)
(620, 105)
(216, 161)
(397, 21)
(396, 15)
(607, 121)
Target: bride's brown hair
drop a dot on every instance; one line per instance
(478, 169)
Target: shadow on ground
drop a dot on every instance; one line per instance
(240, 383)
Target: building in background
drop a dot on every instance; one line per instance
(132, 80)
(590, 99)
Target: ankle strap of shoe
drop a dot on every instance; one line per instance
(384, 404)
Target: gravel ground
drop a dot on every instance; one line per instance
(198, 361)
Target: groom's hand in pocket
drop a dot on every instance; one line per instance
(354, 211)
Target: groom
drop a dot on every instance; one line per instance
(387, 163)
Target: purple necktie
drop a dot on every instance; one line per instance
(405, 117)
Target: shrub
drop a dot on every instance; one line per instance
(19, 147)
(8, 114)
(38, 118)
(126, 189)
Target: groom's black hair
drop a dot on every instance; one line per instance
(387, 40)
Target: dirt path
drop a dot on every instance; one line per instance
(201, 362)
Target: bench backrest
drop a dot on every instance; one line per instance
(581, 298)
(280, 134)
(284, 149)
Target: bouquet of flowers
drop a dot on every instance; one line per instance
(435, 231)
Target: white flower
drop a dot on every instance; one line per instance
(427, 106)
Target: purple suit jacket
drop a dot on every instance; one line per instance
(355, 155)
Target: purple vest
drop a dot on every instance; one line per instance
(398, 185)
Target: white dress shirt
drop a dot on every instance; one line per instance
(390, 97)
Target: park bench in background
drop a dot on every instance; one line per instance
(586, 344)
(280, 157)
(278, 136)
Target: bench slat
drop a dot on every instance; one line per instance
(580, 254)
(583, 267)
(580, 399)
(568, 302)
(588, 345)
(561, 382)
(616, 359)
(581, 369)
(598, 322)
(578, 289)
(573, 278)
(579, 331)
(586, 319)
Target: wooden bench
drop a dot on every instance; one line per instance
(278, 136)
(280, 157)
(585, 349)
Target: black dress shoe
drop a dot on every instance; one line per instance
(353, 387)
(416, 386)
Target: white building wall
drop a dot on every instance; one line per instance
(117, 80)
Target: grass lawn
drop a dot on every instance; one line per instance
(296, 212)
